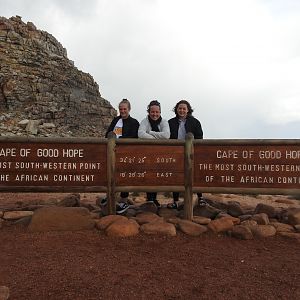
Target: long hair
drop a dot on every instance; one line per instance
(189, 107)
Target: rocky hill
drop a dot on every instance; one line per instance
(42, 93)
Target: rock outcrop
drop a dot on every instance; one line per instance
(39, 83)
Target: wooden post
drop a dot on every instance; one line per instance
(111, 165)
(188, 176)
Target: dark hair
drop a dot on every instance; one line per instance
(125, 101)
(152, 103)
(190, 110)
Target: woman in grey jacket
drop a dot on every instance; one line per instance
(154, 127)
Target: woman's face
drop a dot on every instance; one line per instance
(154, 112)
(124, 110)
(182, 111)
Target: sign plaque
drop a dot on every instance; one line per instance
(247, 166)
(52, 164)
(149, 165)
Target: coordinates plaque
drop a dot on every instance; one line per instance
(149, 165)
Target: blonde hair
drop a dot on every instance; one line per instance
(125, 101)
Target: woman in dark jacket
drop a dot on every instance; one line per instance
(123, 126)
(180, 125)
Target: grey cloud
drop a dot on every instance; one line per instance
(145, 50)
(71, 8)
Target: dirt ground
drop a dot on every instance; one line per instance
(90, 265)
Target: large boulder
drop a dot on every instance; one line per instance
(294, 216)
(61, 219)
(191, 228)
(261, 219)
(264, 208)
(72, 200)
(263, 231)
(201, 220)
(242, 232)
(220, 225)
(123, 228)
(234, 209)
(147, 217)
(282, 227)
(206, 211)
(106, 221)
(167, 213)
(161, 228)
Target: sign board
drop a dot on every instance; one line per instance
(247, 166)
(52, 164)
(84, 164)
(149, 165)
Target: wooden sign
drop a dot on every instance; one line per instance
(52, 164)
(103, 165)
(247, 166)
(149, 165)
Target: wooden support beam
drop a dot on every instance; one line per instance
(111, 165)
(188, 176)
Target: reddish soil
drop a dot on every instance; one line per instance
(89, 265)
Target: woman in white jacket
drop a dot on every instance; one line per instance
(154, 127)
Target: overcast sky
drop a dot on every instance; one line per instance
(237, 62)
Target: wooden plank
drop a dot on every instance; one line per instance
(254, 191)
(246, 142)
(150, 189)
(53, 140)
(163, 142)
(53, 189)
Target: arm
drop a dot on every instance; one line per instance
(144, 130)
(164, 130)
(111, 127)
(173, 124)
(198, 130)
